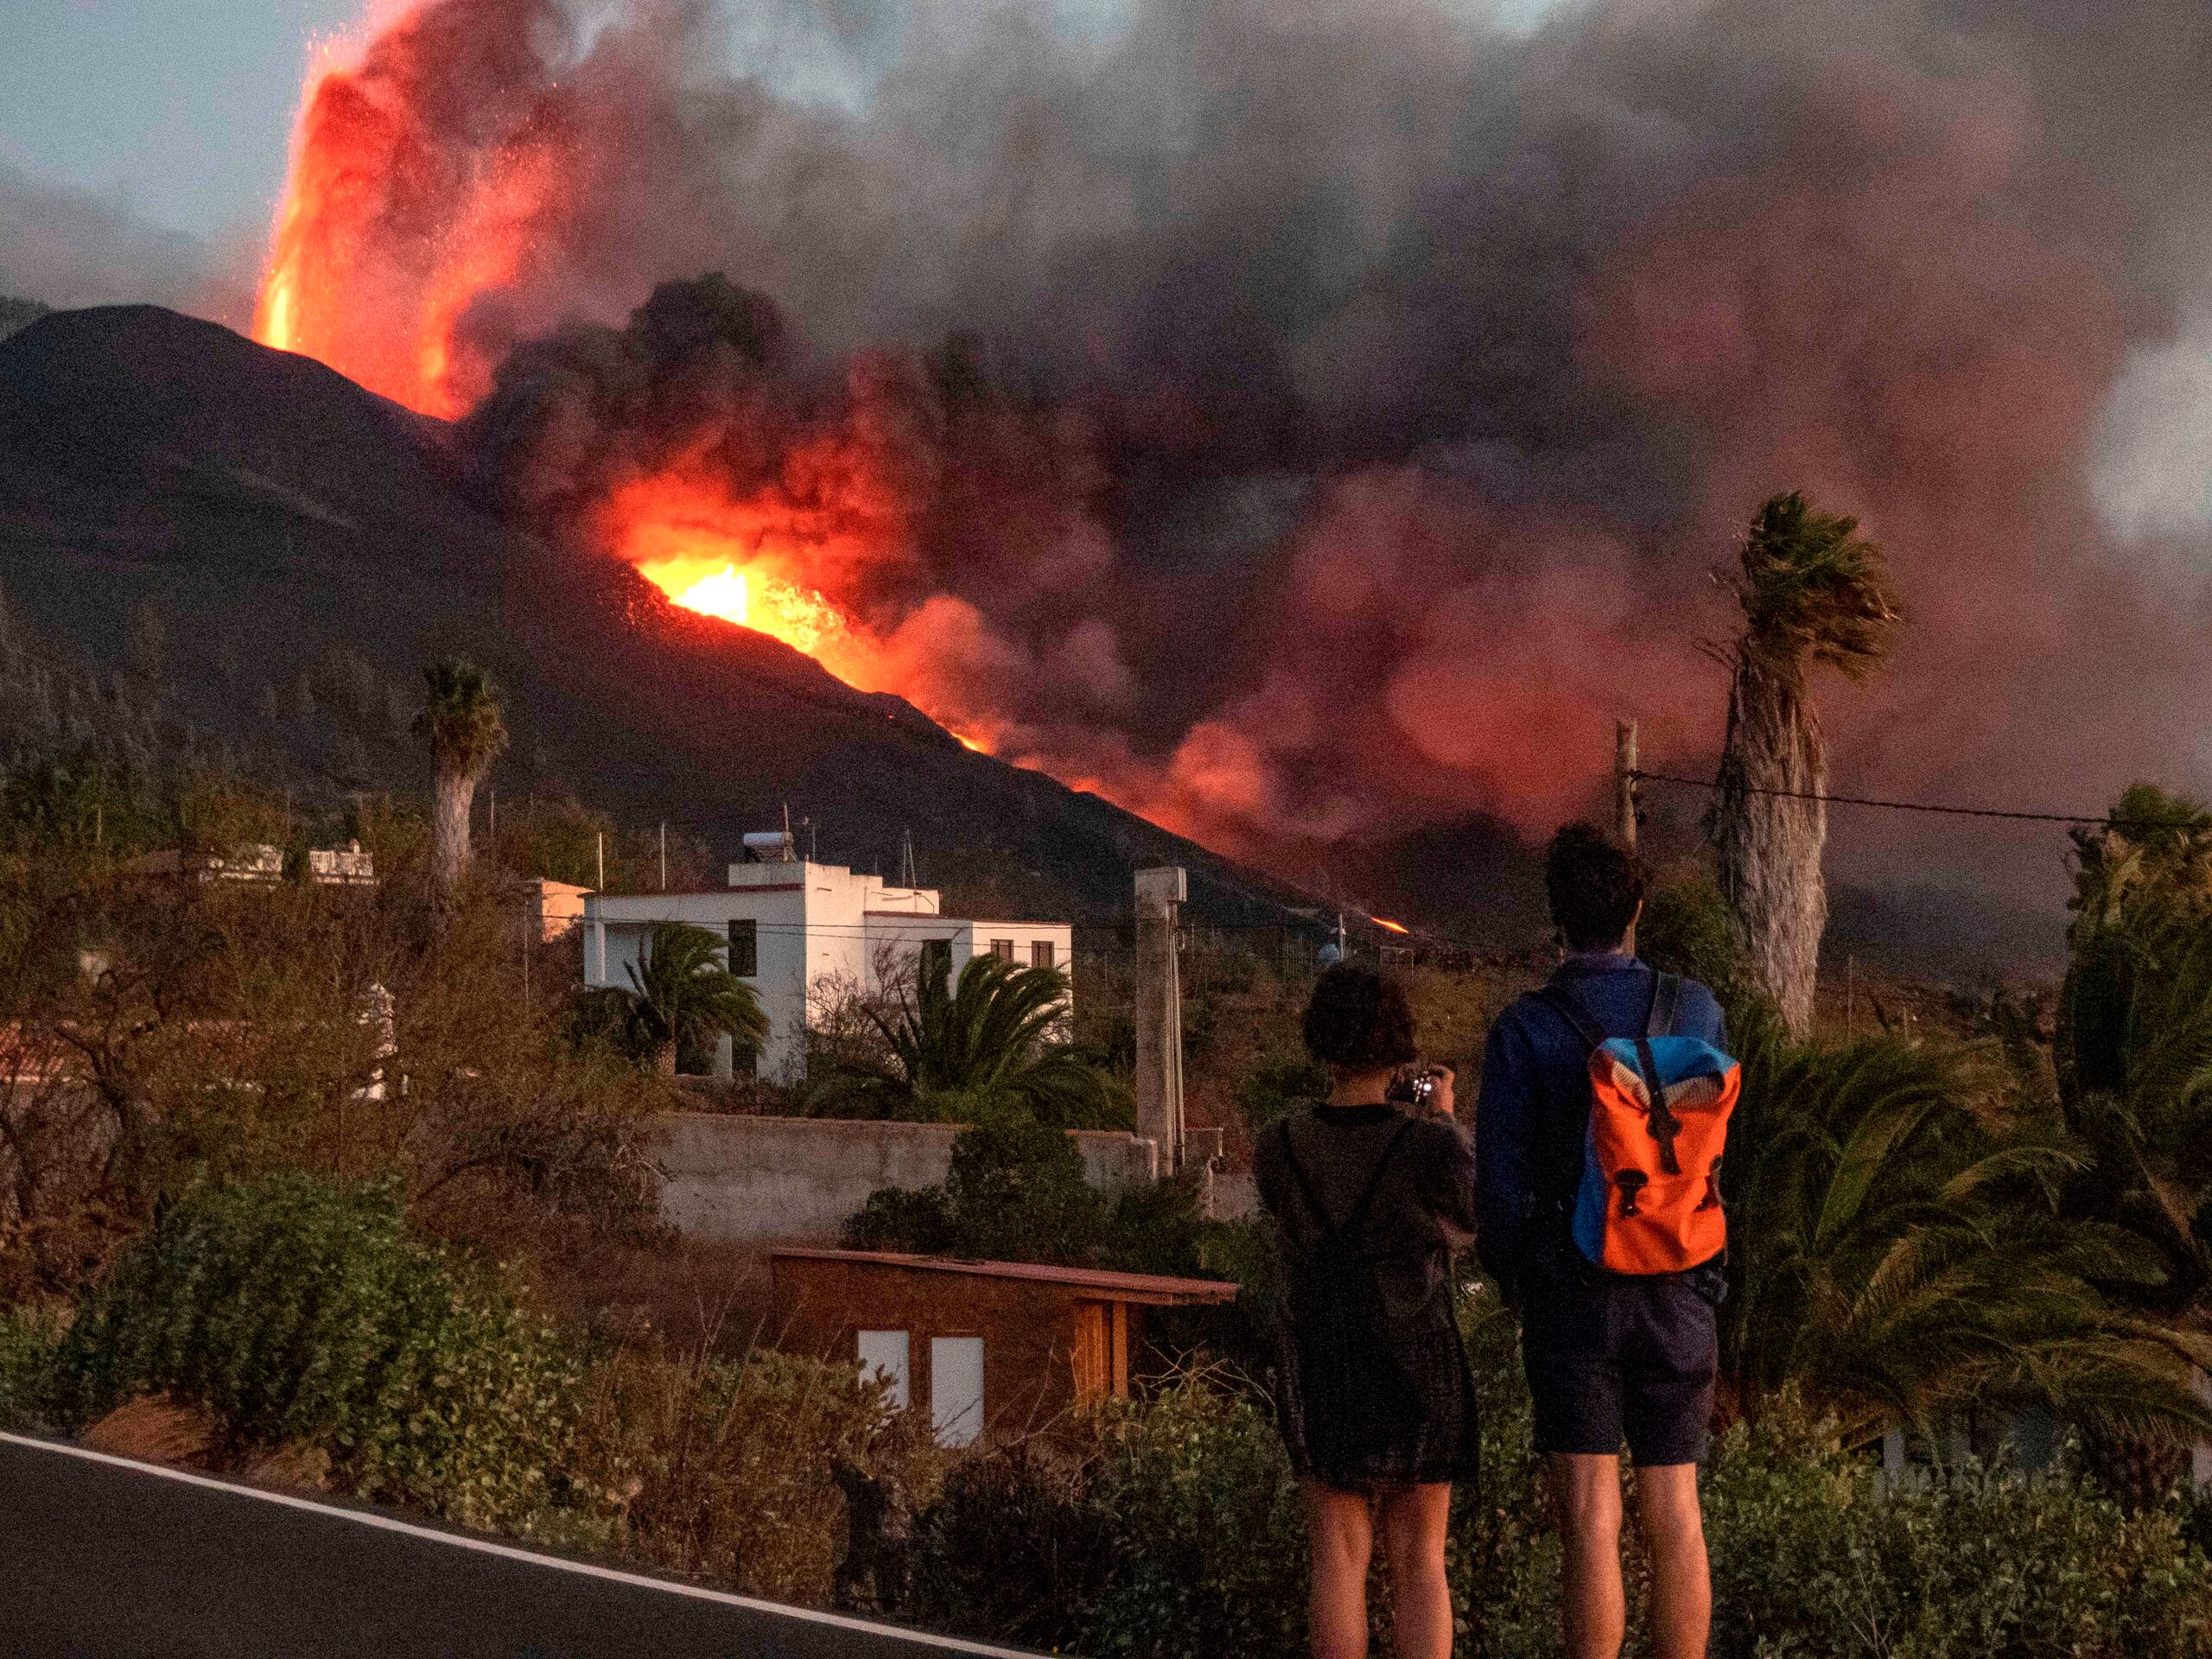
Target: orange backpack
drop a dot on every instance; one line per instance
(1649, 1202)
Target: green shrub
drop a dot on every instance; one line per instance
(1174, 1529)
(1814, 1556)
(729, 1468)
(1278, 1085)
(302, 1312)
(1208, 1543)
(29, 1345)
(1688, 929)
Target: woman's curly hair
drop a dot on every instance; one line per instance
(1358, 1018)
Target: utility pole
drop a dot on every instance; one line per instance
(1160, 893)
(664, 855)
(1625, 794)
(599, 841)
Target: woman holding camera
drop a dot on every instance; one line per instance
(1372, 1193)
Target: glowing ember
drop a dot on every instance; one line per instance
(1391, 926)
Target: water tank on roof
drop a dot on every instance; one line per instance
(770, 847)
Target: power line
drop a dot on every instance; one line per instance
(2103, 819)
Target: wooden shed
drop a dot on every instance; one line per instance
(985, 1347)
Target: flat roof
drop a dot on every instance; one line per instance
(1153, 1289)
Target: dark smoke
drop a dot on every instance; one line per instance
(1318, 421)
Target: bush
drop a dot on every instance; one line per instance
(300, 1312)
(1207, 1543)
(730, 1468)
(1688, 928)
(1812, 1555)
(1278, 1085)
(1173, 1530)
(1015, 1192)
(29, 1345)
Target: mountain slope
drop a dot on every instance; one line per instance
(284, 551)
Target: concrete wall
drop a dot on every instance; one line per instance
(743, 1179)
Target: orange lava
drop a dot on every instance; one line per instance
(385, 235)
(739, 562)
(406, 206)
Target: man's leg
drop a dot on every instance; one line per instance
(1340, 1531)
(1588, 1492)
(1682, 1581)
(1414, 1522)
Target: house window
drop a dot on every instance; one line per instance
(1002, 949)
(745, 948)
(957, 1390)
(1040, 954)
(936, 962)
(884, 1353)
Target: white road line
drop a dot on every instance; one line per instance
(509, 1552)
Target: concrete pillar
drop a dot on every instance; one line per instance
(1161, 894)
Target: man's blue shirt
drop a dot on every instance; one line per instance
(1534, 1107)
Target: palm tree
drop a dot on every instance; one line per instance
(2135, 1065)
(464, 722)
(684, 993)
(1900, 1258)
(1813, 593)
(990, 1042)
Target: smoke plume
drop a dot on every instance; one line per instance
(1305, 421)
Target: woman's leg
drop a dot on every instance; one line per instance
(1341, 1532)
(1414, 1522)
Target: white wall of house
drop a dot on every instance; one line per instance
(814, 927)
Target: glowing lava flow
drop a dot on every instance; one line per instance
(390, 229)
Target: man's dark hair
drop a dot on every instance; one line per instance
(1358, 1018)
(1594, 885)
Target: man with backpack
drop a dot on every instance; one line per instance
(1599, 1128)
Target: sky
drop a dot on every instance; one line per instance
(178, 111)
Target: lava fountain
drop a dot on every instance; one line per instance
(434, 170)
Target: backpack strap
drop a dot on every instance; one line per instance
(1355, 1222)
(1665, 1000)
(1569, 1008)
(1356, 1218)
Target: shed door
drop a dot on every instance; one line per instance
(956, 1388)
(884, 1352)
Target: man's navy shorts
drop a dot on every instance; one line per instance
(1612, 1359)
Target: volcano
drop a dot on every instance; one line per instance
(244, 525)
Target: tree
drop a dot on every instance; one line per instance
(992, 1042)
(684, 993)
(2134, 1065)
(1899, 1252)
(464, 722)
(1813, 593)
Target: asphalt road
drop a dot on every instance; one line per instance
(110, 1559)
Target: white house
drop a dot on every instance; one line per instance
(795, 928)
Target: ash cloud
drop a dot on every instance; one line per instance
(65, 248)
(1346, 403)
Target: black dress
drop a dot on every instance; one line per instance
(1369, 1207)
